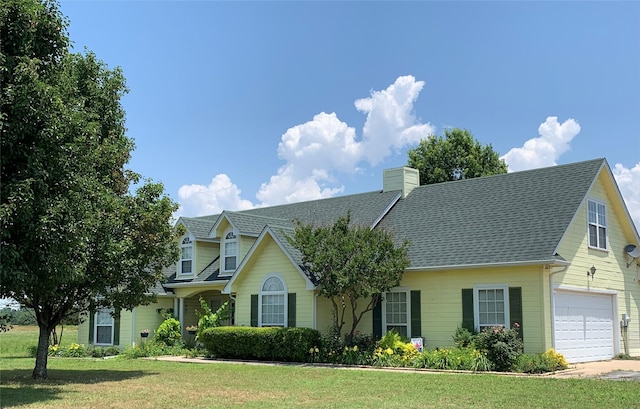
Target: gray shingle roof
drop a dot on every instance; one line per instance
(365, 209)
(252, 224)
(200, 226)
(512, 218)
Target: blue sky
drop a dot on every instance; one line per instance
(241, 104)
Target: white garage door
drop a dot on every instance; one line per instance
(584, 326)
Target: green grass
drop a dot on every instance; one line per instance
(118, 382)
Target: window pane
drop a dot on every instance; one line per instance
(103, 335)
(273, 284)
(229, 263)
(602, 238)
(491, 307)
(187, 253)
(104, 318)
(593, 235)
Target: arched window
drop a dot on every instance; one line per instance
(186, 256)
(273, 299)
(230, 251)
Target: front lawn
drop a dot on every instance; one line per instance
(119, 382)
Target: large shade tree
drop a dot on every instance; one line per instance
(74, 235)
(353, 265)
(455, 156)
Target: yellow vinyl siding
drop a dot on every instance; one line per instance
(441, 300)
(244, 245)
(268, 258)
(205, 253)
(612, 273)
(148, 317)
(325, 317)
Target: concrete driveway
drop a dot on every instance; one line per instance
(616, 369)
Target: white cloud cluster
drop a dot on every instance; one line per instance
(629, 183)
(544, 150)
(315, 151)
(220, 194)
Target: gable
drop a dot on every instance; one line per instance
(514, 218)
(620, 230)
(267, 255)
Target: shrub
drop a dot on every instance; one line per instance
(539, 363)
(502, 346)
(270, 343)
(168, 333)
(152, 348)
(209, 319)
(463, 338)
(393, 350)
(461, 359)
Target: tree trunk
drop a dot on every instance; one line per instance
(42, 354)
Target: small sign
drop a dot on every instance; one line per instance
(418, 343)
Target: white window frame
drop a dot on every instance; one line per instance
(230, 236)
(186, 243)
(95, 326)
(262, 293)
(598, 224)
(385, 304)
(476, 305)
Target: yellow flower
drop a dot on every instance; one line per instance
(355, 348)
(389, 351)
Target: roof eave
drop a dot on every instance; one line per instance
(195, 283)
(551, 262)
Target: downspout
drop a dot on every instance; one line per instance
(551, 299)
(133, 327)
(233, 312)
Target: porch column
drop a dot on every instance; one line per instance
(181, 315)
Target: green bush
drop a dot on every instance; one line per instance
(209, 319)
(271, 344)
(502, 346)
(458, 359)
(549, 361)
(152, 348)
(463, 338)
(168, 333)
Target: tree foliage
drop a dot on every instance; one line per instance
(352, 265)
(73, 235)
(456, 156)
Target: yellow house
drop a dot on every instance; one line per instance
(552, 250)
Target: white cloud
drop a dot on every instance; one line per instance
(629, 183)
(219, 195)
(544, 150)
(391, 124)
(316, 151)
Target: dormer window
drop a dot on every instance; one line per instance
(186, 257)
(230, 251)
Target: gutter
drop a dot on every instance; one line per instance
(195, 284)
(551, 262)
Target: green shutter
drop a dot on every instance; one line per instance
(116, 329)
(377, 319)
(92, 323)
(254, 310)
(416, 321)
(515, 308)
(467, 309)
(291, 310)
